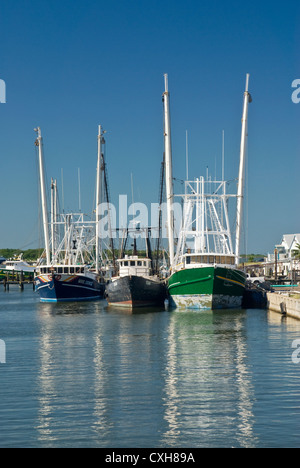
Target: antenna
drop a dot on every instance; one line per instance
(79, 194)
(62, 190)
(132, 189)
(187, 154)
(223, 156)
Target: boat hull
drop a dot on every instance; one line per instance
(135, 292)
(68, 288)
(207, 288)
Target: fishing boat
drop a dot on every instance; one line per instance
(204, 270)
(16, 267)
(71, 268)
(56, 283)
(136, 285)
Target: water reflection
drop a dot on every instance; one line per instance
(208, 387)
(109, 378)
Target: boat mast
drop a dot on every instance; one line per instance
(52, 217)
(39, 143)
(168, 167)
(241, 180)
(98, 197)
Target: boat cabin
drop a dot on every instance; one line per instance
(134, 266)
(194, 260)
(61, 270)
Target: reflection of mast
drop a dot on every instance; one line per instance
(172, 412)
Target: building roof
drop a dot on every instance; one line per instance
(289, 239)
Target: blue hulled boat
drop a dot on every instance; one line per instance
(70, 267)
(68, 283)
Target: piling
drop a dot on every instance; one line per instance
(21, 283)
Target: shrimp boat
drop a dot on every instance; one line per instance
(70, 276)
(71, 271)
(136, 285)
(204, 270)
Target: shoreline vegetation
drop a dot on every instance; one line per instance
(31, 255)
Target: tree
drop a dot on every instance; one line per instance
(296, 252)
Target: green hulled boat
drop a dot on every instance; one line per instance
(204, 271)
(207, 287)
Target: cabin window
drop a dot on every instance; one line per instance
(223, 260)
(145, 263)
(139, 264)
(132, 263)
(59, 270)
(125, 264)
(72, 270)
(217, 259)
(211, 259)
(188, 260)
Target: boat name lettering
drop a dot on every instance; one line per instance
(87, 283)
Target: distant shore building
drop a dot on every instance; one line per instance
(283, 259)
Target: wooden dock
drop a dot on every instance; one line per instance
(21, 283)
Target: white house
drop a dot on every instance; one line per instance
(284, 256)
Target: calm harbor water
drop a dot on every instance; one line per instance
(83, 375)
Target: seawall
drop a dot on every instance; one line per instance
(284, 304)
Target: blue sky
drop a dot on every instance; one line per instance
(72, 65)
